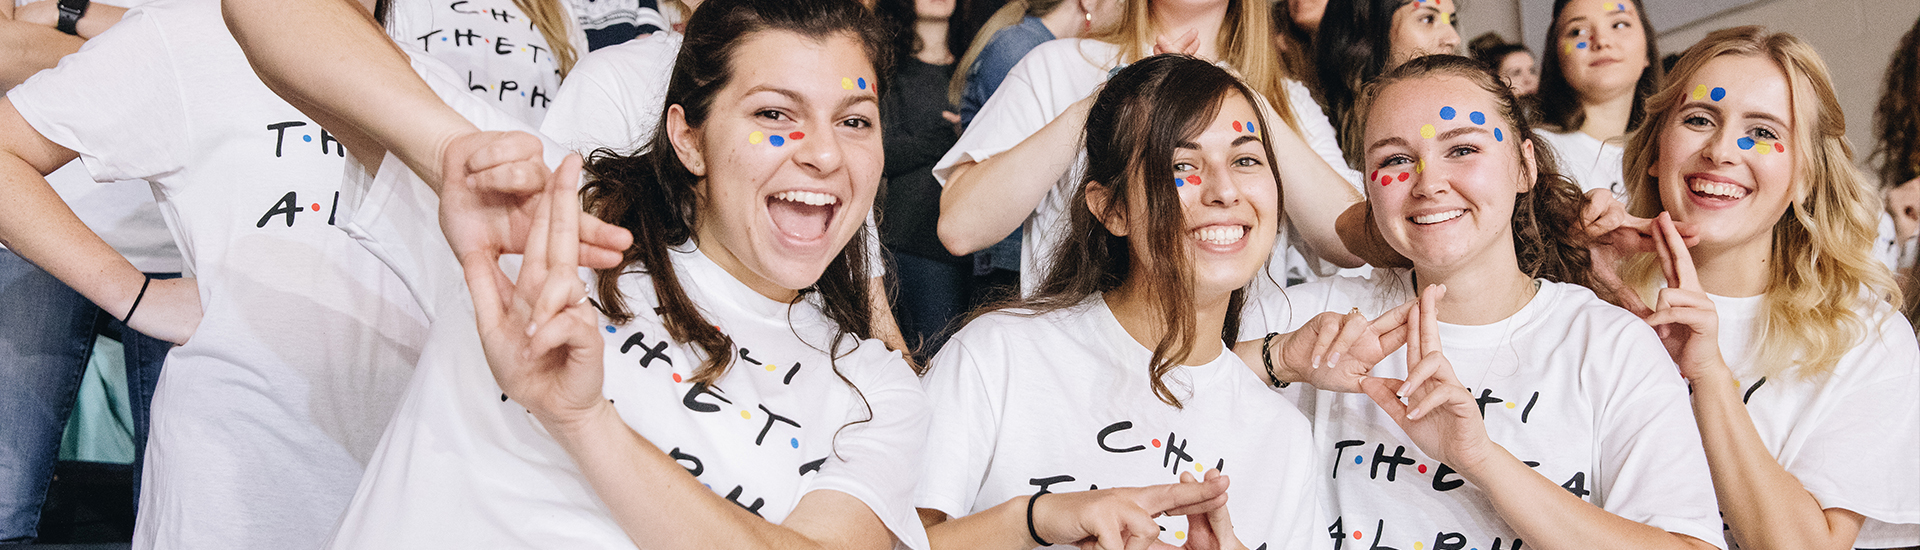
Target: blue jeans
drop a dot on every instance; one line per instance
(46, 335)
(932, 296)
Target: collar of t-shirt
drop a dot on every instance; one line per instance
(1107, 327)
(715, 283)
(1500, 332)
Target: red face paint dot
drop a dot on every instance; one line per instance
(797, 135)
(1386, 180)
(676, 378)
(1777, 148)
(316, 206)
(1156, 443)
(1236, 126)
(1403, 176)
(1423, 468)
(1193, 180)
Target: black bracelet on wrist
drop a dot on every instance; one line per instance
(1266, 358)
(70, 13)
(1031, 532)
(137, 298)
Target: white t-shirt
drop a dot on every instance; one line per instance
(1589, 162)
(1047, 81)
(1061, 402)
(496, 49)
(462, 466)
(614, 96)
(1852, 438)
(262, 423)
(1578, 386)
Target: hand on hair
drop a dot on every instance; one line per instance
(170, 310)
(1614, 236)
(1684, 316)
(1903, 203)
(1340, 350)
(1188, 44)
(1440, 415)
(488, 199)
(1122, 518)
(538, 329)
(1210, 530)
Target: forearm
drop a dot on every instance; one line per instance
(27, 48)
(37, 225)
(655, 501)
(1314, 195)
(1550, 518)
(1001, 527)
(361, 87)
(986, 201)
(1765, 506)
(1255, 358)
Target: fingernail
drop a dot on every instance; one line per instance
(530, 328)
(1316, 362)
(1333, 360)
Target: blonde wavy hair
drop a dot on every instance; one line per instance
(1824, 278)
(1245, 43)
(553, 22)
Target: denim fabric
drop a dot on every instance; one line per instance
(46, 335)
(996, 59)
(933, 295)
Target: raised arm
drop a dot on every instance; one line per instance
(1312, 192)
(985, 201)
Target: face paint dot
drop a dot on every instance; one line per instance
(756, 137)
(1403, 176)
(771, 368)
(1745, 143)
(1427, 131)
(1193, 180)
(1236, 126)
(308, 139)
(1498, 135)
(676, 378)
(846, 83)
(1477, 117)
(1420, 167)
(797, 135)
(1251, 128)
(746, 415)
(1568, 48)
(609, 329)
(1446, 18)
(795, 442)
(1778, 148)
(1719, 94)
(316, 207)
(1582, 45)
(1700, 92)
(1423, 468)
(1156, 443)
(1357, 461)
(1510, 404)
(1764, 149)
(1179, 182)
(776, 140)
(1446, 113)
(862, 82)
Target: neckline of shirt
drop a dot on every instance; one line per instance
(1117, 338)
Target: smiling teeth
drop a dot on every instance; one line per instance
(1717, 189)
(1438, 217)
(1220, 234)
(807, 197)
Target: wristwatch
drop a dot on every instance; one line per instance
(70, 13)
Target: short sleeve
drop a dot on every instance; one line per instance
(117, 102)
(587, 112)
(1015, 111)
(875, 461)
(965, 397)
(1653, 469)
(1863, 454)
(990, 70)
(1319, 132)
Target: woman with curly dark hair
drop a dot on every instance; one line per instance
(1896, 125)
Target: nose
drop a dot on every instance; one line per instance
(1427, 181)
(1227, 192)
(1449, 39)
(818, 150)
(1723, 148)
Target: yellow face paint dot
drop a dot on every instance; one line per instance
(1568, 47)
(746, 415)
(1509, 404)
(846, 83)
(1700, 91)
(1446, 18)
(1427, 131)
(756, 138)
(1419, 167)
(771, 368)
(1765, 148)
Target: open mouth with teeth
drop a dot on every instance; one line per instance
(1220, 235)
(1437, 217)
(1715, 190)
(802, 215)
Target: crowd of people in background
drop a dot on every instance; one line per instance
(944, 274)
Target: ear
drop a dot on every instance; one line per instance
(1530, 166)
(1099, 197)
(686, 141)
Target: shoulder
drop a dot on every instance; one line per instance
(651, 53)
(1069, 53)
(1574, 314)
(1888, 349)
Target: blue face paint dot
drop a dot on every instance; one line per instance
(1478, 117)
(795, 442)
(862, 82)
(1497, 136)
(1446, 113)
(1179, 182)
(1746, 143)
(609, 329)
(1582, 45)
(1356, 460)
(776, 140)
(1719, 94)
(306, 138)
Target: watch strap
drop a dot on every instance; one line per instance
(70, 13)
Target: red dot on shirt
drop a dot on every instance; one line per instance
(1156, 443)
(316, 207)
(676, 377)
(1356, 535)
(1423, 468)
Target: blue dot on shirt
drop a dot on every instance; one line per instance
(609, 329)
(795, 442)
(443, 39)
(308, 139)
(1357, 460)
(1478, 117)
(1446, 113)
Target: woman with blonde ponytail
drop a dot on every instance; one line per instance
(513, 53)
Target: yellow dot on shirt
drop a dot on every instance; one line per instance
(1427, 131)
(746, 415)
(1199, 468)
(1180, 534)
(1510, 404)
(756, 137)
(771, 368)
(1417, 545)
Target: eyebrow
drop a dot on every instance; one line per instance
(794, 96)
(1461, 131)
(1723, 113)
(1236, 142)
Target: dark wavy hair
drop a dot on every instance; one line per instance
(1560, 107)
(653, 194)
(1354, 45)
(1139, 118)
(1548, 234)
(1896, 121)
